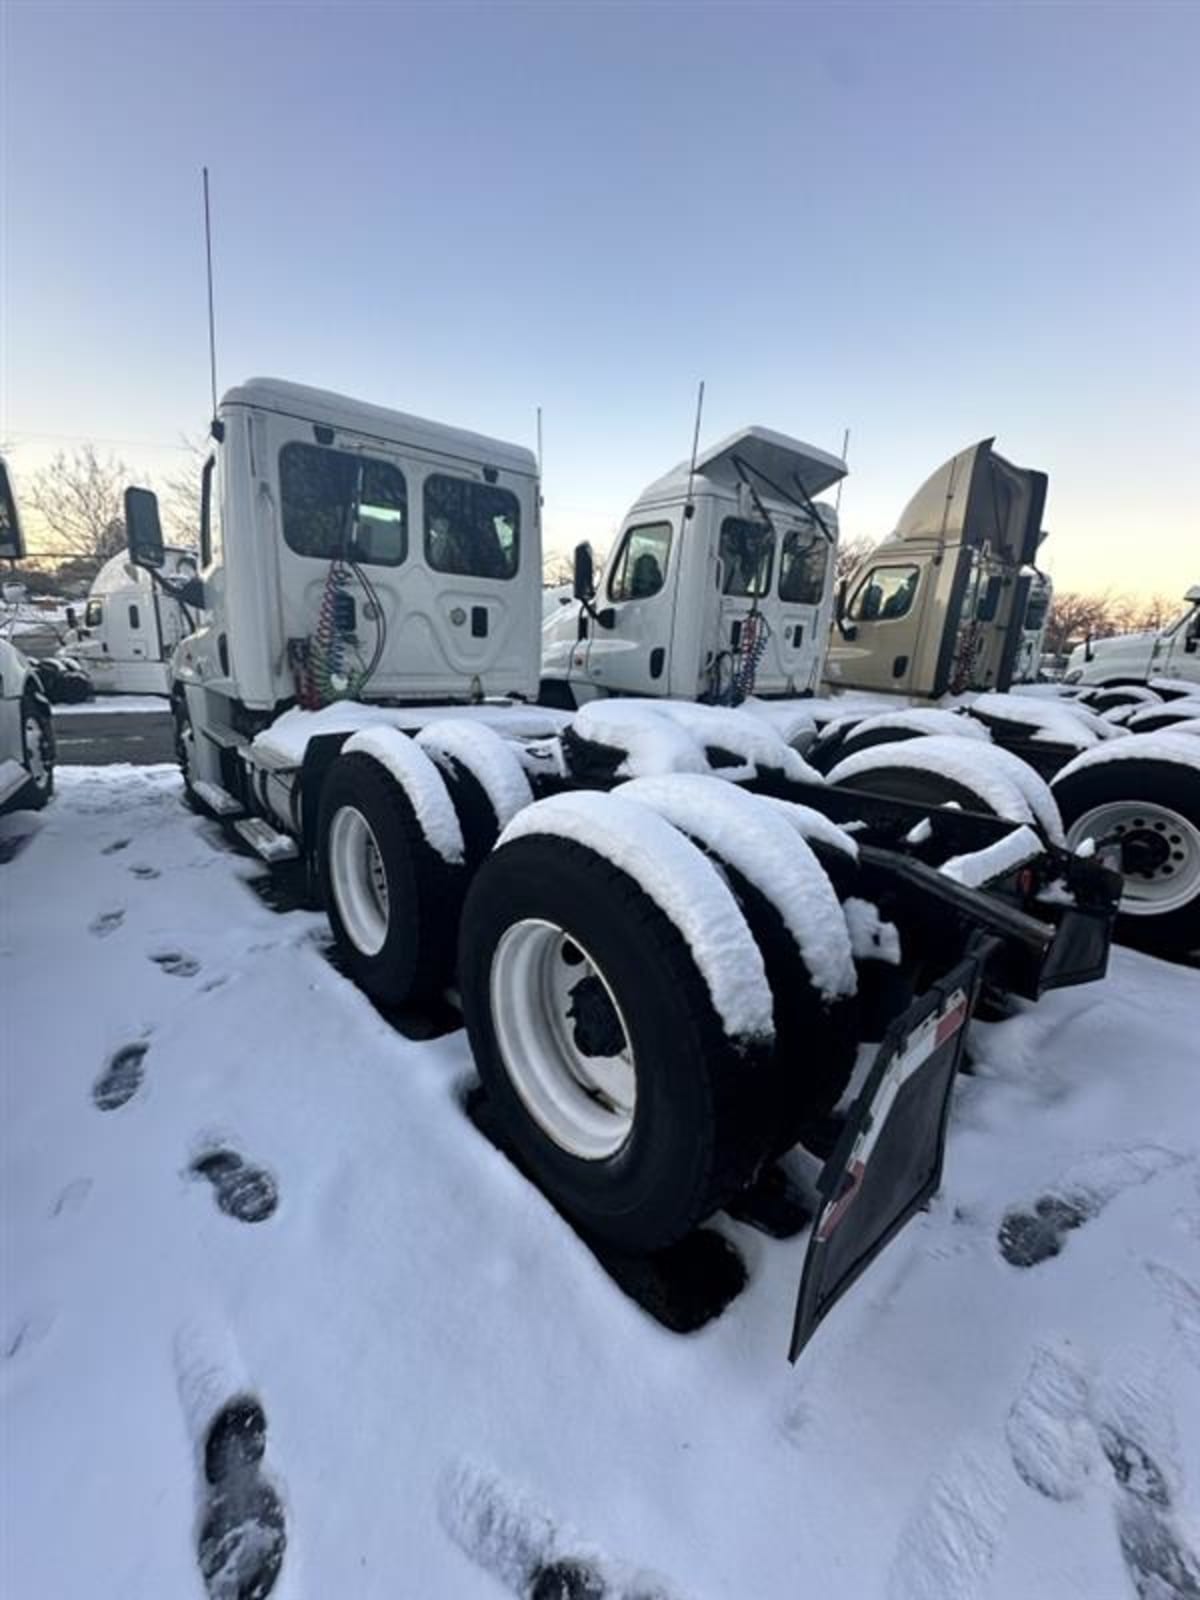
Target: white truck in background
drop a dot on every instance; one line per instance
(131, 624)
(26, 729)
(1128, 659)
(666, 948)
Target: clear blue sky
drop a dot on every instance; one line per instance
(928, 223)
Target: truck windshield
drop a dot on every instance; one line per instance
(802, 565)
(471, 528)
(337, 503)
(747, 551)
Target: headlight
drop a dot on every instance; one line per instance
(1073, 676)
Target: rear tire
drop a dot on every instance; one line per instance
(626, 1101)
(37, 742)
(392, 901)
(925, 788)
(1154, 808)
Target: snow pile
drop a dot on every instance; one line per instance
(960, 760)
(791, 719)
(684, 885)
(663, 736)
(1169, 744)
(491, 760)
(756, 840)
(283, 744)
(1175, 686)
(460, 1402)
(106, 704)
(997, 860)
(1053, 721)
(421, 781)
(871, 938)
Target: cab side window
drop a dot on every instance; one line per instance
(640, 569)
(885, 594)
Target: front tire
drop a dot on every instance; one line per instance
(596, 1038)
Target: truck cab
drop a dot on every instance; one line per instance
(131, 625)
(939, 606)
(1172, 652)
(349, 552)
(719, 583)
(26, 731)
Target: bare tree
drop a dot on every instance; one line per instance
(181, 501)
(851, 553)
(557, 567)
(80, 499)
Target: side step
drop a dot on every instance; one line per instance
(264, 841)
(12, 778)
(217, 799)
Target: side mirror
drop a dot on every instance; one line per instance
(848, 630)
(608, 618)
(72, 620)
(585, 572)
(143, 530)
(1088, 653)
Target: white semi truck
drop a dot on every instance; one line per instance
(131, 624)
(940, 611)
(26, 730)
(1170, 654)
(666, 946)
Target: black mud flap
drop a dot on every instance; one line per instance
(888, 1160)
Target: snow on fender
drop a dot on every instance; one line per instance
(758, 841)
(684, 885)
(946, 756)
(421, 781)
(490, 759)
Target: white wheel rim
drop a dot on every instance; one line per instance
(35, 752)
(1165, 873)
(358, 880)
(551, 1033)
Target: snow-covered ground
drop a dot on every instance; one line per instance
(456, 1397)
(107, 703)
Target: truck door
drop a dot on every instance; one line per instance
(746, 553)
(805, 569)
(882, 618)
(633, 656)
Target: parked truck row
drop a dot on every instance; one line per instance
(669, 932)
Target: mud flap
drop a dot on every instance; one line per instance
(888, 1160)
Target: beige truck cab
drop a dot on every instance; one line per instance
(938, 606)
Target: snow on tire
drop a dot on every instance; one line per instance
(484, 776)
(613, 1071)
(1144, 794)
(392, 898)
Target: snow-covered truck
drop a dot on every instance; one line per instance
(26, 730)
(701, 599)
(131, 624)
(670, 938)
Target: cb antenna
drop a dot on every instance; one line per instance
(541, 486)
(212, 326)
(688, 508)
(837, 503)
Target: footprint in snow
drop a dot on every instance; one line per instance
(117, 844)
(1159, 1561)
(176, 964)
(1049, 1430)
(122, 1077)
(242, 1534)
(1182, 1300)
(72, 1197)
(517, 1543)
(1029, 1235)
(107, 922)
(143, 871)
(947, 1545)
(243, 1191)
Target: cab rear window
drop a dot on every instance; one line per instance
(472, 529)
(338, 503)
